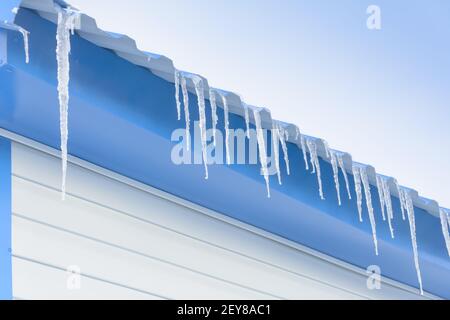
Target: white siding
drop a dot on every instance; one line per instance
(131, 241)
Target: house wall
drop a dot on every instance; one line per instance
(131, 241)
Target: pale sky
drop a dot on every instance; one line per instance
(381, 95)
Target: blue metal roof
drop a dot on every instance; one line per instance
(122, 114)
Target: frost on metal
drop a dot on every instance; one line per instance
(262, 149)
(26, 46)
(409, 207)
(68, 21)
(199, 89)
(215, 119)
(314, 158)
(445, 224)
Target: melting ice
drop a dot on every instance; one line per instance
(199, 89)
(412, 227)
(67, 22)
(262, 148)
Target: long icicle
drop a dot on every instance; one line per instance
(186, 111)
(400, 198)
(215, 119)
(303, 145)
(26, 45)
(388, 203)
(199, 89)
(412, 227)
(315, 164)
(445, 224)
(177, 93)
(358, 190)
(67, 21)
(334, 165)
(227, 127)
(276, 150)
(340, 158)
(283, 136)
(381, 196)
(368, 195)
(262, 149)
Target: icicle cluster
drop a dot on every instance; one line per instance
(199, 90)
(67, 22)
(315, 165)
(409, 207)
(262, 148)
(445, 223)
(26, 46)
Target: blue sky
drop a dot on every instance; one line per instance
(382, 95)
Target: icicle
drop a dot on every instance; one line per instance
(297, 133)
(303, 145)
(388, 203)
(25, 35)
(315, 164)
(381, 196)
(67, 20)
(366, 184)
(276, 150)
(247, 121)
(212, 102)
(199, 89)
(177, 93)
(412, 227)
(327, 148)
(401, 199)
(186, 111)
(445, 223)
(227, 129)
(334, 165)
(358, 191)
(283, 136)
(262, 149)
(340, 158)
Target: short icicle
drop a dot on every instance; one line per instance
(186, 111)
(445, 224)
(262, 148)
(312, 146)
(177, 93)
(215, 119)
(26, 46)
(199, 89)
(409, 206)
(358, 190)
(67, 21)
(368, 195)
(340, 158)
(334, 165)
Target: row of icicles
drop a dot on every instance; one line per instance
(69, 20)
(308, 145)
